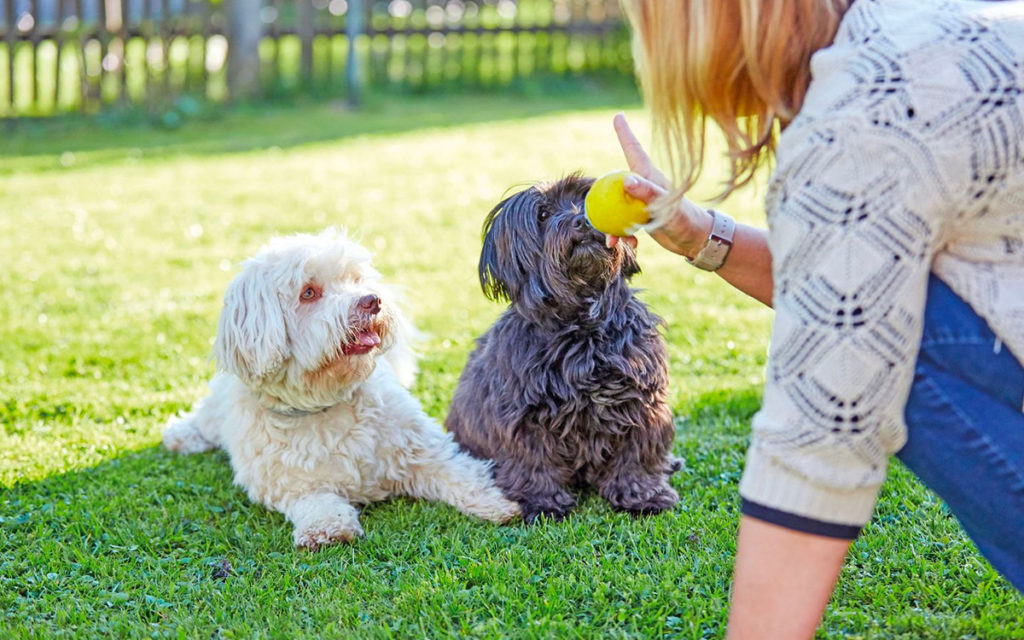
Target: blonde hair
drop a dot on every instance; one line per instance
(744, 64)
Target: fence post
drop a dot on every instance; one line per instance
(353, 28)
(244, 32)
(307, 32)
(9, 33)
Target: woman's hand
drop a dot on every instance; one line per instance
(749, 264)
(688, 226)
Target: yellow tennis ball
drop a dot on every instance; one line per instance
(610, 209)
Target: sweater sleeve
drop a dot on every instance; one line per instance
(854, 221)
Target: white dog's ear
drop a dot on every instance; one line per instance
(251, 337)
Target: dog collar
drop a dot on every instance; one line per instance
(294, 412)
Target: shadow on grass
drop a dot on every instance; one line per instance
(133, 524)
(152, 541)
(153, 502)
(162, 545)
(75, 142)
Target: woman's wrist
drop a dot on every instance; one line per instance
(702, 222)
(687, 232)
(718, 245)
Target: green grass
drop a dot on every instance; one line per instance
(117, 244)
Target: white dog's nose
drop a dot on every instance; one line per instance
(370, 303)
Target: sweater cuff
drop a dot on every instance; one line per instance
(777, 494)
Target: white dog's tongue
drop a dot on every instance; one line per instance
(364, 342)
(368, 338)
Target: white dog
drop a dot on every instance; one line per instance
(311, 404)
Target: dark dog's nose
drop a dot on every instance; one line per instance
(370, 303)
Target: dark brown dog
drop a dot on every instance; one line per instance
(568, 387)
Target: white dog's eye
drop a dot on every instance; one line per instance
(311, 293)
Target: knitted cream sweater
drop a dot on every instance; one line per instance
(907, 157)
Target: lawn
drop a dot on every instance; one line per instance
(117, 244)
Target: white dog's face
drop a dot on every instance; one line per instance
(306, 320)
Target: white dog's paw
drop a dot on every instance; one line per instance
(327, 532)
(182, 435)
(323, 519)
(492, 506)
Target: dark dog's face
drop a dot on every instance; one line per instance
(541, 254)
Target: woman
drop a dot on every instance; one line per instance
(899, 178)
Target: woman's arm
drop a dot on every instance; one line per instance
(782, 581)
(749, 265)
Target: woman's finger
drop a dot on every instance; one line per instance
(637, 159)
(611, 241)
(642, 189)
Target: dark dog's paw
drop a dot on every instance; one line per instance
(674, 464)
(665, 498)
(643, 499)
(554, 507)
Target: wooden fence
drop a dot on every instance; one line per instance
(60, 56)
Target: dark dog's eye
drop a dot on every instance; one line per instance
(311, 293)
(543, 213)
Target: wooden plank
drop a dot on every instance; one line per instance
(83, 71)
(59, 44)
(122, 66)
(516, 37)
(146, 28)
(165, 47)
(407, 56)
(246, 30)
(103, 35)
(9, 39)
(204, 74)
(306, 31)
(190, 25)
(33, 38)
(469, 59)
(353, 31)
(329, 63)
(574, 27)
(466, 57)
(275, 38)
(591, 28)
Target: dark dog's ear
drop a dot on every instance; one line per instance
(491, 280)
(510, 262)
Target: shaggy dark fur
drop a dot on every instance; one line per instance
(568, 387)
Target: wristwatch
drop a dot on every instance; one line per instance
(712, 255)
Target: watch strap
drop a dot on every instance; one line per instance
(712, 256)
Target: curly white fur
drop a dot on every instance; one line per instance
(314, 414)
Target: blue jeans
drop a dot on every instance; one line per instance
(965, 428)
